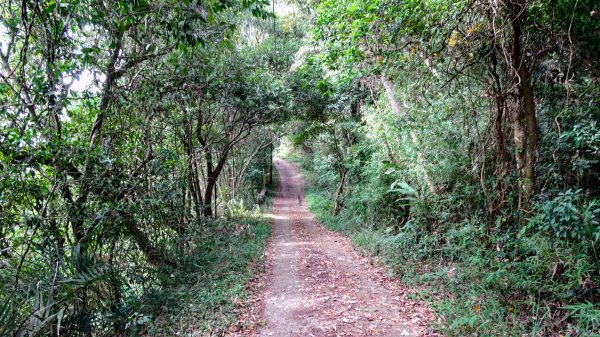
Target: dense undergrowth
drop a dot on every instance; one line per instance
(203, 297)
(206, 294)
(458, 140)
(134, 138)
(530, 288)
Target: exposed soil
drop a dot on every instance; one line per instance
(315, 283)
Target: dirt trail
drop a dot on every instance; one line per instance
(317, 285)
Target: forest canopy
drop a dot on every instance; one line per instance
(456, 140)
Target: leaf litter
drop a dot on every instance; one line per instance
(315, 283)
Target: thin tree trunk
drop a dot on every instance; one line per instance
(399, 110)
(192, 176)
(212, 175)
(339, 191)
(238, 178)
(153, 254)
(500, 155)
(271, 165)
(111, 77)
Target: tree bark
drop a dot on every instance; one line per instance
(339, 191)
(212, 174)
(112, 75)
(501, 161)
(154, 255)
(238, 178)
(399, 110)
(525, 126)
(192, 176)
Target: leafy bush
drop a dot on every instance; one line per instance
(569, 216)
(504, 280)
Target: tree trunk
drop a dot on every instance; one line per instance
(212, 175)
(154, 255)
(111, 78)
(208, 195)
(501, 162)
(339, 204)
(240, 175)
(271, 165)
(193, 181)
(398, 109)
(525, 126)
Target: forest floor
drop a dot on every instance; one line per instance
(316, 284)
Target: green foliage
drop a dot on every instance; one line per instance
(517, 286)
(204, 295)
(121, 122)
(435, 160)
(569, 216)
(476, 289)
(474, 169)
(588, 315)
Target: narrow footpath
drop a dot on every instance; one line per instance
(317, 285)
